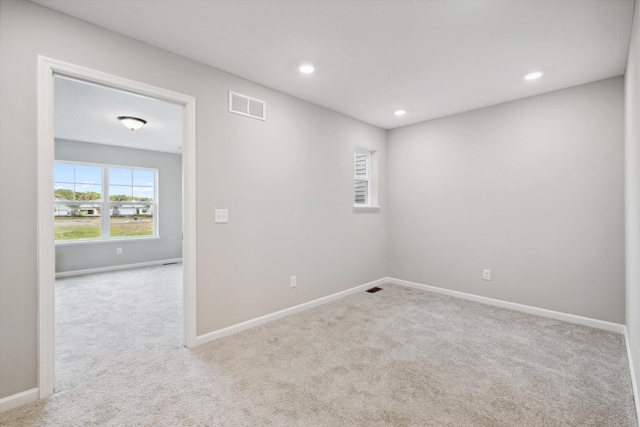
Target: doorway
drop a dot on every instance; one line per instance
(50, 69)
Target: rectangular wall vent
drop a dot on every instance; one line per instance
(247, 106)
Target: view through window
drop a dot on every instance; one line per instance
(102, 202)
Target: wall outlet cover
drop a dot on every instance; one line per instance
(221, 216)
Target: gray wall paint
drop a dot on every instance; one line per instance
(531, 189)
(632, 193)
(287, 183)
(93, 255)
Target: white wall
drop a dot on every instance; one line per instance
(531, 189)
(82, 256)
(632, 193)
(287, 183)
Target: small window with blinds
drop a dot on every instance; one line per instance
(362, 177)
(365, 180)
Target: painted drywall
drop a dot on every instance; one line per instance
(632, 192)
(531, 189)
(83, 256)
(286, 181)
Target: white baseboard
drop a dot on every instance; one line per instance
(634, 385)
(233, 329)
(587, 321)
(19, 399)
(117, 267)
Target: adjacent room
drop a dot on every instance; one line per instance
(363, 213)
(117, 208)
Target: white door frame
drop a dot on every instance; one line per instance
(46, 242)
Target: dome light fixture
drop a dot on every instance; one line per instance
(400, 112)
(132, 123)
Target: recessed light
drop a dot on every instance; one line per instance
(400, 112)
(307, 68)
(533, 76)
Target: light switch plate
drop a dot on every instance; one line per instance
(222, 216)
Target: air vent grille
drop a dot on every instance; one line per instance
(374, 290)
(247, 106)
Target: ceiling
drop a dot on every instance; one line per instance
(432, 58)
(89, 112)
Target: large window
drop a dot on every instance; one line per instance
(101, 202)
(364, 178)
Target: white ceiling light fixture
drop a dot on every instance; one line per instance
(533, 76)
(400, 112)
(307, 68)
(132, 123)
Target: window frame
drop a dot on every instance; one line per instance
(105, 205)
(371, 178)
(366, 178)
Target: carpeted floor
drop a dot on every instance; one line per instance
(399, 357)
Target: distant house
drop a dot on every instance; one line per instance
(124, 210)
(60, 209)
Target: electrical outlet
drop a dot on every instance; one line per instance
(486, 274)
(118, 251)
(221, 216)
(292, 283)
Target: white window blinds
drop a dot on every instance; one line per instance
(362, 174)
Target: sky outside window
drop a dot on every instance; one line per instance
(77, 182)
(120, 176)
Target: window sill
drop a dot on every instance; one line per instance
(92, 242)
(371, 209)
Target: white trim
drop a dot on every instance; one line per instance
(586, 321)
(46, 242)
(117, 267)
(634, 385)
(362, 208)
(189, 221)
(46, 249)
(101, 242)
(18, 399)
(239, 327)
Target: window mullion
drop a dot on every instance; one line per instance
(74, 183)
(156, 216)
(105, 204)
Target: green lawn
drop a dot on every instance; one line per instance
(77, 233)
(77, 228)
(129, 227)
(83, 228)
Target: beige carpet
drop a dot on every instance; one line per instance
(399, 357)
